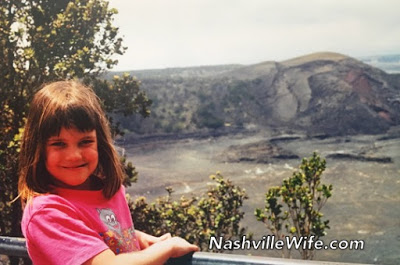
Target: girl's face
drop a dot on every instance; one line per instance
(71, 157)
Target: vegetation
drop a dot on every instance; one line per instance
(217, 213)
(295, 206)
(205, 116)
(190, 104)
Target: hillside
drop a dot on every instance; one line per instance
(321, 93)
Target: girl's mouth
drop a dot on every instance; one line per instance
(77, 166)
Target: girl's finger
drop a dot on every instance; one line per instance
(165, 236)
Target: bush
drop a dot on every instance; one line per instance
(296, 204)
(217, 213)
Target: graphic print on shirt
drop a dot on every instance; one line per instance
(108, 218)
(119, 240)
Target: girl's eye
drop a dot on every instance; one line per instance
(87, 142)
(58, 144)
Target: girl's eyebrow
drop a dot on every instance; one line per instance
(88, 137)
(54, 138)
(58, 138)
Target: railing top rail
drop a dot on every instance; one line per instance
(14, 246)
(207, 258)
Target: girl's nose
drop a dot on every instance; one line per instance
(73, 154)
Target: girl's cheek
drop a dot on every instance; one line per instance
(93, 152)
(52, 156)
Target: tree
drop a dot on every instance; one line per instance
(297, 203)
(43, 41)
(217, 213)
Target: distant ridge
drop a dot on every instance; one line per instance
(328, 56)
(206, 70)
(389, 63)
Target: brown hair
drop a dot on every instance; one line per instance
(64, 104)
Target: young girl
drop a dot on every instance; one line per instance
(71, 181)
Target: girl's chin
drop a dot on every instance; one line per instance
(78, 185)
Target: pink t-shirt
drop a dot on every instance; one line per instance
(72, 226)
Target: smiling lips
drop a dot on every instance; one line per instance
(75, 167)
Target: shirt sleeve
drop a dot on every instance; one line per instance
(55, 235)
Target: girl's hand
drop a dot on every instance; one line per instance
(180, 247)
(146, 240)
(177, 245)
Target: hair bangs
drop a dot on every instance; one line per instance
(73, 116)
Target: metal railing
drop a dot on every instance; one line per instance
(13, 246)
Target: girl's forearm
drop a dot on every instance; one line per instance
(156, 254)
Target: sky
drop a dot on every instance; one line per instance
(182, 33)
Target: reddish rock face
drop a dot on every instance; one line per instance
(358, 81)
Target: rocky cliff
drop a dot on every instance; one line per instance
(321, 93)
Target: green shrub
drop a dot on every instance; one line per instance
(217, 213)
(296, 205)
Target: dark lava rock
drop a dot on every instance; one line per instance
(345, 156)
(259, 152)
